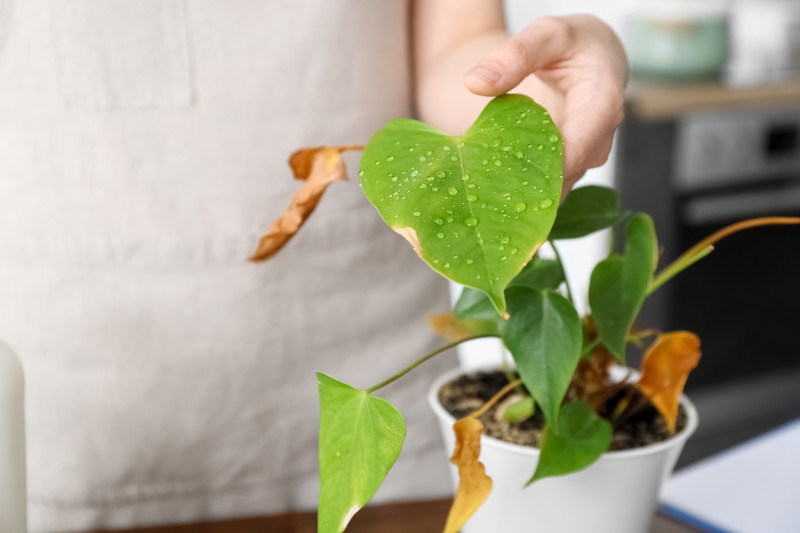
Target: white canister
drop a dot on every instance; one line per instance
(13, 496)
(617, 494)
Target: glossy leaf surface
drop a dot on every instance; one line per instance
(537, 274)
(360, 437)
(665, 367)
(582, 438)
(477, 206)
(620, 283)
(544, 336)
(586, 210)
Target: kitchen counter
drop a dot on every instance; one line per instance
(419, 517)
(663, 102)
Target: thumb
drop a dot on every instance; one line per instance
(545, 41)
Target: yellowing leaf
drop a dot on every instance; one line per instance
(455, 329)
(665, 368)
(474, 485)
(319, 167)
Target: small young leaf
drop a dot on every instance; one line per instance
(475, 207)
(586, 210)
(665, 368)
(319, 167)
(582, 438)
(360, 437)
(474, 485)
(619, 284)
(519, 410)
(544, 336)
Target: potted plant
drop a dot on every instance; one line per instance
(477, 208)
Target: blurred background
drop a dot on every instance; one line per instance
(712, 136)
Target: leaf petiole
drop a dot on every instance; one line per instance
(418, 362)
(704, 247)
(563, 272)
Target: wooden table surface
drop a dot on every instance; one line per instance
(417, 517)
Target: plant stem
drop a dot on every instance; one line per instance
(496, 398)
(564, 272)
(704, 247)
(418, 362)
(589, 347)
(676, 267)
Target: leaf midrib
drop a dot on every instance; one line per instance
(459, 147)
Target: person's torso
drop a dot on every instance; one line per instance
(143, 148)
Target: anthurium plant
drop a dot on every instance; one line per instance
(477, 208)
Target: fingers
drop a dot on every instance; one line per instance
(545, 41)
(593, 112)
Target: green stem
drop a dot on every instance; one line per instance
(676, 267)
(418, 362)
(564, 272)
(589, 347)
(704, 247)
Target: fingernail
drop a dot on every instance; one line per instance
(488, 72)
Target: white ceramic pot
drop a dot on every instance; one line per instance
(617, 494)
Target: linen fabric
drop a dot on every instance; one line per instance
(143, 149)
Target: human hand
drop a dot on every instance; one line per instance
(575, 66)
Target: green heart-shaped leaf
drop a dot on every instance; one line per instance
(582, 438)
(360, 437)
(544, 335)
(476, 207)
(473, 305)
(586, 210)
(619, 284)
(539, 274)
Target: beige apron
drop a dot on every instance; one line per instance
(143, 148)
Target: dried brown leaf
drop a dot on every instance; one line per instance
(665, 368)
(474, 485)
(319, 167)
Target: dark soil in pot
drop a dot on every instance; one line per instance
(468, 392)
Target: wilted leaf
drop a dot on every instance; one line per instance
(586, 210)
(620, 283)
(319, 167)
(476, 206)
(582, 438)
(360, 437)
(455, 329)
(665, 368)
(544, 336)
(474, 485)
